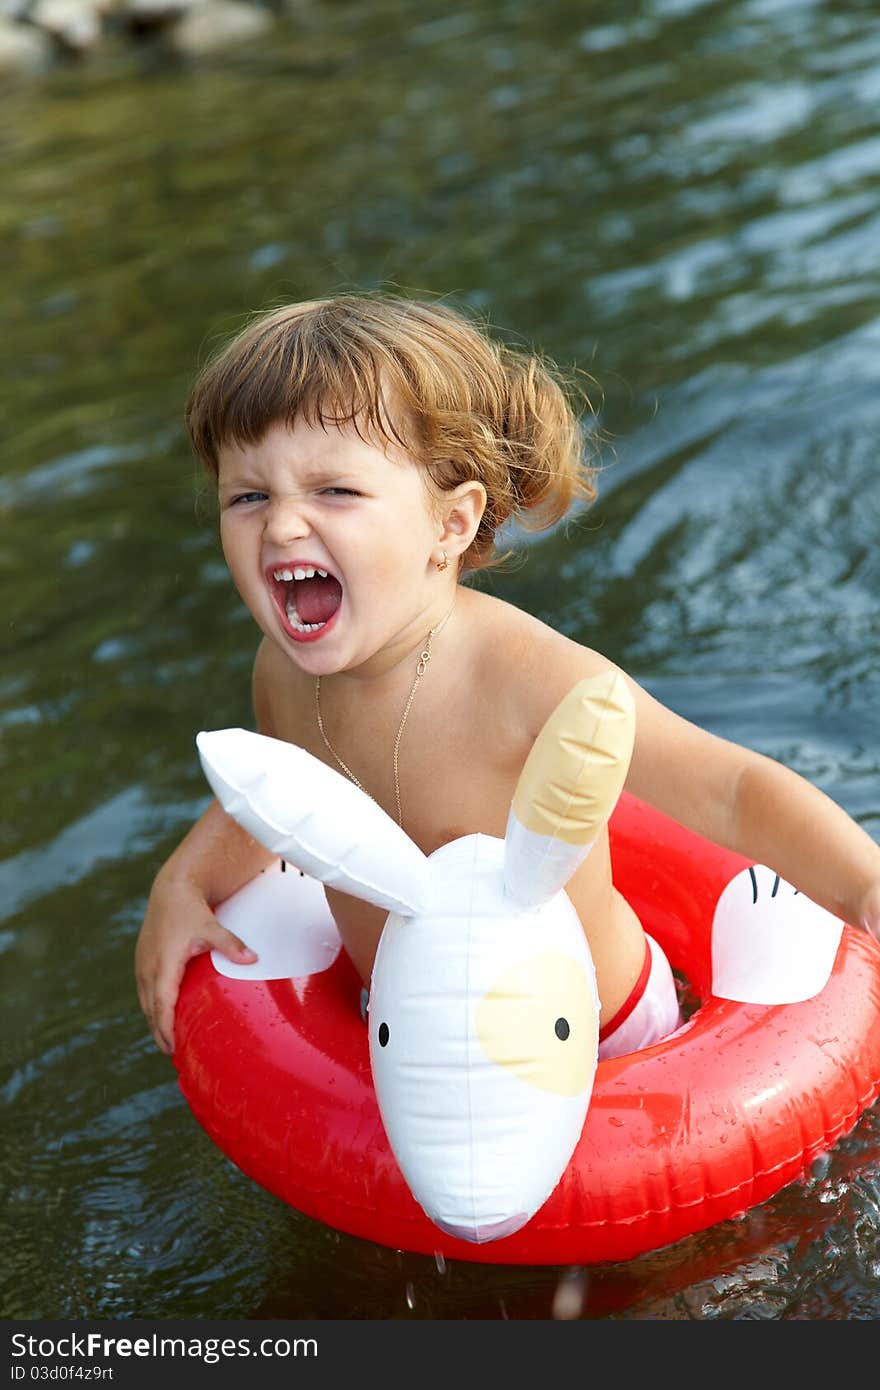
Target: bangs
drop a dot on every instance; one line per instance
(291, 366)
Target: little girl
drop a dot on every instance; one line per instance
(366, 450)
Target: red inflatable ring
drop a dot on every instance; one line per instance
(698, 1128)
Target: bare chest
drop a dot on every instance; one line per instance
(449, 774)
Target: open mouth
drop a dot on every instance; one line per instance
(309, 599)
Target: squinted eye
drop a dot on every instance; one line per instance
(561, 1029)
(383, 1035)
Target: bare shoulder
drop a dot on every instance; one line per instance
(281, 694)
(529, 664)
(681, 769)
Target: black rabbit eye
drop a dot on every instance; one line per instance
(383, 1035)
(561, 1029)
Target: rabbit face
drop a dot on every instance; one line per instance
(483, 1036)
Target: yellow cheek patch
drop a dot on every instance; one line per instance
(577, 766)
(541, 1020)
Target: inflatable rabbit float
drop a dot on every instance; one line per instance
(483, 1020)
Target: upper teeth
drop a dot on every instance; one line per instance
(301, 572)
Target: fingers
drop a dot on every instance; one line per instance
(160, 975)
(870, 914)
(147, 1000)
(161, 1017)
(158, 995)
(232, 947)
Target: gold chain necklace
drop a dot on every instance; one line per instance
(421, 668)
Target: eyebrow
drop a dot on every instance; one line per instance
(316, 478)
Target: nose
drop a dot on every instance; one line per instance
(286, 521)
(479, 1232)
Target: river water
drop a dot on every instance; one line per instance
(681, 198)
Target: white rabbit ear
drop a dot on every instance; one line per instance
(568, 787)
(311, 816)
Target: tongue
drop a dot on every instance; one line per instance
(317, 599)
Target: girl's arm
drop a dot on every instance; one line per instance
(749, 803)
(214, 860)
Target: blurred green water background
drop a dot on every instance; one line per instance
(681, 198)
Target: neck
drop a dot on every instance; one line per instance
(395, 663)
(424, 657)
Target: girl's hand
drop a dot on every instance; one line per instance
(870, 913)
(178, 925)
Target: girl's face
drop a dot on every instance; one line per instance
(332, 543)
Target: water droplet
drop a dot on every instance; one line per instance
(568, 1300)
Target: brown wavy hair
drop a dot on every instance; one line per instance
(462, 404)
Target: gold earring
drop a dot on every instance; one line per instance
(444, 563)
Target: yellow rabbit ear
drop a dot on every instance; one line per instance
(569, 786)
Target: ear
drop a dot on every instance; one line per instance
(568, 787)
(314, 818)
(461, 511)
